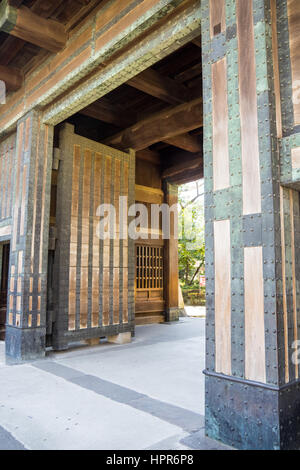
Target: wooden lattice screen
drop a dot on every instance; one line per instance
(149, 267)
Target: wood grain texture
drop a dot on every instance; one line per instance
(276, 68)
(146, 194)
(116, 244)
(20, 136)
(125, 316)
(160, 126)
(217, 17)
(222, 296)
(248, 109)
(45, 33)
(96, 241)
(160, 86)
(43, 197)
(294, 201)
(296, 158)
(171, 249)
(255, 362)
(12, 77)
(220, 126)
(294, 29)
(96, 296)
(284, 287)
(7, 150)
(85, 237)
(73, 237)
(35, 192)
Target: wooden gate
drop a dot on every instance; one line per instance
(4, 266)
(150, 255)
(95, 278)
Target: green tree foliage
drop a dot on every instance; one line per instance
(191, 235)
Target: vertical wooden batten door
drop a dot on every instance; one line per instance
(4, 267)
(94, 276)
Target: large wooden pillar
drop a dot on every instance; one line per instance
(26, 310)
(172, 274)
(252, 231)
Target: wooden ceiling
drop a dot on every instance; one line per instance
(158, 113)
(20, 54)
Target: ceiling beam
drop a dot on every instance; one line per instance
(12, 78)
(106, 112)
(190, 73)
(185, 142)
(12, 45)
(197, 42)
(10, 48)
(30, 27)
(159, 127)
(187, 176)
(187, 164)
(15, 3)
(161, 87)
(113, 114)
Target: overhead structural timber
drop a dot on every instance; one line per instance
(26, 25)
(164, 125)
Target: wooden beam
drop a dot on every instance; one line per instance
(88, 6)
(186, 176)
(12, 78)
(15, 3)
(113, 114)
(10, 48)
(161, 87)
(12, 45)
(190, 73)
(159, 127)
(148, 194)
(197, 42)
(188, 164)
(186, 142)
(26, 25)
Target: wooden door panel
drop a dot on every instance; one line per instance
(98, 298)
(3, 288)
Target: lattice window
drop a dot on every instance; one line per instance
(149, 267)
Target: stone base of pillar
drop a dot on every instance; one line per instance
(252, 416)
(24, 344)
(173, 314)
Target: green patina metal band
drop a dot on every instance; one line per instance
(8, 17)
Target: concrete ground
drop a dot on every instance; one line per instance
(196, 311)
(148, 394)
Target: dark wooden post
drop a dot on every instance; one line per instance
(171, 247)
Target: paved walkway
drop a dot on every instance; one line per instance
(196, 312)
(145, 395)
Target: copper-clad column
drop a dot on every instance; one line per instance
(26, 314)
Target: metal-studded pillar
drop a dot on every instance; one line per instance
(251, 400)
(26, 310)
